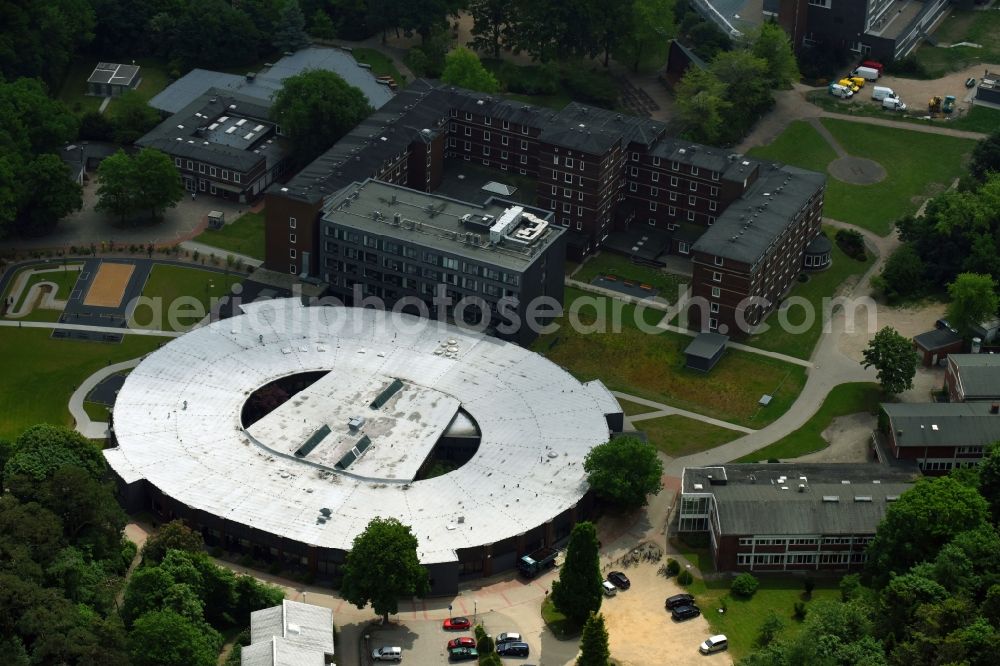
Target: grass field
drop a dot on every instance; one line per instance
(921, 165)
(40, 374)
(651, 366)
(63, 279)
(977, 27)
(96, 411)
(244, 235)
(615, 264)
(821, 285)
(381, 64)
(979, 118)
(633, 408)
(844, 399)
(170, 283)
(680, 436)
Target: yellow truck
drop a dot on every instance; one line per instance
(848, 83)
(858, 81)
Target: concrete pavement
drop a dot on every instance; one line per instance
(84, 425)
(207, 250)
(667, 410)
(92, 329)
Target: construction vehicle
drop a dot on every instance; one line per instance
(949, 104)
(534, 563)
(934, 105)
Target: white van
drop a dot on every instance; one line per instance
(840, 91)
(893, 104)
(881, 92)
(867, 73)
(387, 653)
(714, 644)
(609, 589)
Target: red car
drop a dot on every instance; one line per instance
(874, 64)
(456, 624)
(464, 641)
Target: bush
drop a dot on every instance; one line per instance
(850, 587)
(744, 585)
(909, 66)
(770, 629)
(673, 567)
(527, 80)
(852, 243)
(799, 610)
(484, 644)
(590, 86)
(902, 276)
(809, 584)
(685, 578)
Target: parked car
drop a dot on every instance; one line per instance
(506, 637)
(456, 624)
(970, 82)
(679, 600)
(714, 644)
(387, 653)
(464, 654)
(462, 641)
(685, 612)
(619, 580)
(513, 649)
(840, 91)
(608, 589)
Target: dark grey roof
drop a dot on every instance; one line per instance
(114, 73)
(943, 423)
(186, 134)
(836, 498)
(936, 339)
(685, 152)
(595, 130)
(706, 345)
(747, 230)
(691, 55)
(979, 374)
(819, 245)
(266, 83)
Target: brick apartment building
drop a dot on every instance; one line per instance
(598, 172)
(973, 377)
(938, 436)
(789, 517)
(223, 144)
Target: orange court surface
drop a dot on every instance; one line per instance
(108, 287)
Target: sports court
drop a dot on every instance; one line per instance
(108, 288)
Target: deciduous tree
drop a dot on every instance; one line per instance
(973, 301)
(462, 68)
(651, 24)
(492, 25)
(986, 157)
(165, 638)
(382, 567)
(701, 105)
(578, 592)
(49, 194)
(893, 357)
(771, 43)
(624, 470)
(132, 117)
(989, 479)
(174, 535)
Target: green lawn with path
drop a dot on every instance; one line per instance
(40, 373)
(651, 366)
(821, 285)
(96, 411)
(978, 119)
(976, 27)
(918, 165)
(64, 281)
(677, 435)
(169, 283)
(632, 408)
(844, 399)
(609, 263)
(73, 93)
(381, 64)
(244, 235)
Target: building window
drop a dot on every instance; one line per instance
(718, 261)
(488, 120)
(652, 205)
(579, 195)
(672, 210)
(291, 253)
(486, 150)
(579, 225)
(713, 323)
(652, 221)
(690, 216)
(656, 161)
(202, 184)
(673, 181)
(635, 157)
(504, 140)
(236, 177)
(292, 269)
(825, 4)
(451, 142)
(201, 167)
(567, 192)
(567, 208)
(655, 176)
(716, 292)
(524, 129)
(486, 136)
(569, 162)
(633, 172)
(212, 171)
(712, 205)
(468, 131)
(466, 146)
(692, 200)
(292, 222)
(694, 171)
(713, 191)
(190, 165)
(177, 162)
(524, 144)
(693, 186)
(503, 156)
(506, 124)
(683, 248)
(675, 166)
(714, 308)
(291, 238)
(468, 116)
(632, 186)
(225, 174)
(568, 178)
(716, 276)
(555, 190)
(715, 175)
(654, 191)
(673, 196)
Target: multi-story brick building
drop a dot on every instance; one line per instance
(223, 144)
(789, 517)
(598, 172)
(486, 265)
(939, 436)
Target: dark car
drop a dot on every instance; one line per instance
(685, 612)
(456, 624)
(513, 649)
(679, 600)
(464, 654)
(619, 580)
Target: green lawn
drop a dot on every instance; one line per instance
(381, 64)
(844, 399)
(170, 283)
(651, 365)
(40, 374)
(680, 436)
(244, 235)
(96, 411)
(633, 408)
(64, 281)
(618, 265)
(917, 164)
(979, 118)
(821, 285)
(73, 92)
(560, 625)
(977, 27)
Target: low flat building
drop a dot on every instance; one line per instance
(988, 90)
(111, 79)
(973, 377)
(789, 516)
(933, 347)
(224, 144)
(940, 436)
(292, 634)
(705, 351)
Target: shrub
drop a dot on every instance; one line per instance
(484, 644)
(685, 578)
(590, 86)
(852, 243)
(850, 587)
(673, 567)
(528, 80)
(809, 584)
(902, 276)
(910, 66)
(770, 629)
(799, 610)
(744, 585)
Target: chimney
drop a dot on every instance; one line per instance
(995, 408)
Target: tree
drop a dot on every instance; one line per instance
(769, 630)
(745, 585)
(701, 105)
(578, 591)
(594, 649)
(42, 449)
(383, 566)
(624, 470)
(48, 196)
(611, 21)
(462, 68)
(132, 117)
(321, 26)
(165, 638)
(771, 42)
(651, 24)
(316, 108)
(146, 181)
(39, 39)
(902, 275)
(920, 523)
(115, 191)
(973, 301)
(989, 479)
(748, 90)
(290, 32)
(893, 357)
(491, 25)
(174, 535)
(986, 157)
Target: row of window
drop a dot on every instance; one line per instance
(208, 169)
(747, 559)
(676, 166)
(504, 139)
(803, 541)
(488, 121)
(467, 146)
(655, 191)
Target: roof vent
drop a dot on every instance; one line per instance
(802, 487)
(934, 427)
(698, 486)
(355, 422)
(845, 482)
(831, 498)
(995, 408)
(862, 498)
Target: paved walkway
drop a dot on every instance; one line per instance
(825, 133)
(667, 410)
(201, 248)
(91, 329)
(84, 425)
